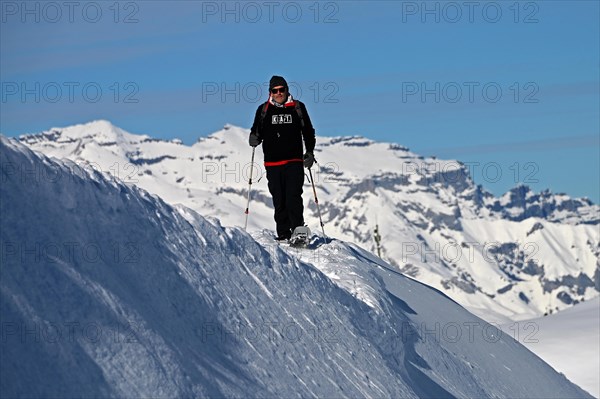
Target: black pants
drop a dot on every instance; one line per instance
(285, 185)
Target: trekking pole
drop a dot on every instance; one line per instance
(249, 188)
(317, 202)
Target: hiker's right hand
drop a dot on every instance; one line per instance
(254, 140)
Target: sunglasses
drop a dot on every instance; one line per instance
(279, 90)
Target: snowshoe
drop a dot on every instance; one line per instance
(300, 236)
(282, 238)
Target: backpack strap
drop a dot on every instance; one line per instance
(299, 111)
(263, 113)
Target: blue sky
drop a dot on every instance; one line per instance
(512, 88)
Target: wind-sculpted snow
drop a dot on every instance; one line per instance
(107, 291)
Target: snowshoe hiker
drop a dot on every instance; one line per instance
(281, 124)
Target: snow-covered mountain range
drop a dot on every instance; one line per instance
(108, 291)
(514, 257)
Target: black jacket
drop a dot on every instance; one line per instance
(282, 133)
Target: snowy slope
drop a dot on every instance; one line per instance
(516, 257)
(569, 341)
(109, 291)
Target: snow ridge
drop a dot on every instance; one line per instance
(109, 291)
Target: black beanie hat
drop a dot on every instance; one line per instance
(277, 81)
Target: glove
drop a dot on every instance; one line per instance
(309, 160)
(254, 140)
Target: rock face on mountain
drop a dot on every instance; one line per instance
(513, 257)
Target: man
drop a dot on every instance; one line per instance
(280, 125)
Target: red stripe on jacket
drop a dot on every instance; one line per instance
(279, 163)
